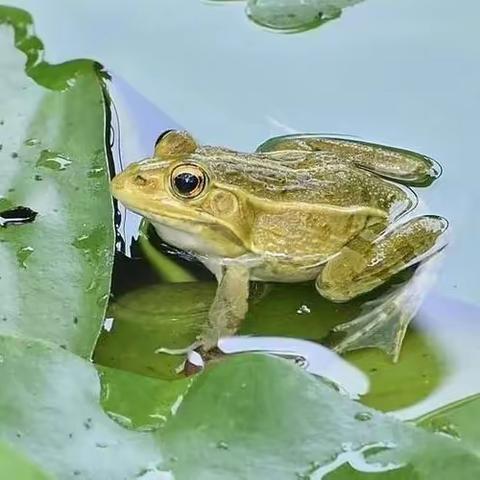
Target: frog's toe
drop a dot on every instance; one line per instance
(384, 328)
(178, 351)
(385, 323)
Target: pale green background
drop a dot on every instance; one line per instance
(403, 72)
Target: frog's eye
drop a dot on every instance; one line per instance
(188, 181)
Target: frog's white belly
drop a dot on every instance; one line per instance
(181, 239)
(266, 268)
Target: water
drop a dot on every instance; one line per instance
(393, 73)
(434, 385)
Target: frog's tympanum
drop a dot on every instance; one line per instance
(302, 207)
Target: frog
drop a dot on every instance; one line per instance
(301, 208)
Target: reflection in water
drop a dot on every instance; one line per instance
(314, 358)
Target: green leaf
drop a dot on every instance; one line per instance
(168, 315)
(253, 407)
(50, 412)
(255, 416)
(15, 466)
(140, 402)
(457, 420)
(54, 272)
(295, 15)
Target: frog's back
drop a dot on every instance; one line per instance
(311, 179)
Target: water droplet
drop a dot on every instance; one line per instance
(363, 416)
(102, 299)
(53, 160)
(303, 309)
(16, 216)
(22, 255)
(302, 476)
(307, 474)
(447, 428)
(108, 324)
(92, 285)
(30, 142)
(95, 172)
(222, 445)
(300, 361)
(90, 243)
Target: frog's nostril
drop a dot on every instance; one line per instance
(139, 180)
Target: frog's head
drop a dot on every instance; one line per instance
(176, 191)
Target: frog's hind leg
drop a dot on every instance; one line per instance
(397, 164)
(362, 266)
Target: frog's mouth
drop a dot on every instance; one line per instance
(188, 229)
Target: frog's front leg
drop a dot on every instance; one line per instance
(362, 266)
(229, 306)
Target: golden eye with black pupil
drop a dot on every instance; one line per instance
(188, 181)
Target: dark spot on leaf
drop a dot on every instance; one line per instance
(75, 320)
(63, 346)
(14, 155)
(17, 216)
(38, 178)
